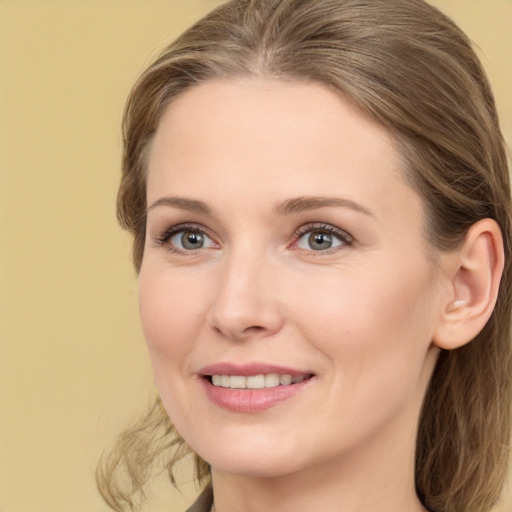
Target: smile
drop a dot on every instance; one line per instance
(252, 387)
(270, 380)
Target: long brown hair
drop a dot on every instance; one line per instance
(413, 71)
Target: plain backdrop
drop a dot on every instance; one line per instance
(73, 366)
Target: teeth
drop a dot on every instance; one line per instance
(285, 380)
(270, 380)
(255, 382)
(237, 382)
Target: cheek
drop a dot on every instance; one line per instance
(375, 335)
(373, 322)
(169, 316)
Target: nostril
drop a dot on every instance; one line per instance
(253, 329)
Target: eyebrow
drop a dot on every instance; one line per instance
(190, 205)
(287, 207)
(306, 203)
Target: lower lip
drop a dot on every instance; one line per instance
(251, 400)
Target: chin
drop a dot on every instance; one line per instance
(254, 467)
(258, 458)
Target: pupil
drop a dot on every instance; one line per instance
(192, 240)
(319, 241)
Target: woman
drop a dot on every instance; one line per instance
(318, 193)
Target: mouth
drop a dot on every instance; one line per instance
(253, 387)
(260, 381)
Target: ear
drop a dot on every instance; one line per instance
(474, 283)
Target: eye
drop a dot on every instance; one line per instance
(322, 238)
(190, 240)
(185, 239)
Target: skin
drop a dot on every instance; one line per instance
(360, 316)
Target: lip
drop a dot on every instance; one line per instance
(248, 369)
(250, 400)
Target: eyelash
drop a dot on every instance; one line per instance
(165, 237)
(345, 238)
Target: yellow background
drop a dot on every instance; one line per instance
(73, 367)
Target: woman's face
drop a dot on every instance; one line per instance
(288, 295)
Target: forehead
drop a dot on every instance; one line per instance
(257, 139)
(267, 109)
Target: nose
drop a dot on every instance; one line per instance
(246, 303)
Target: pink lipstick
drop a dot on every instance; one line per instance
(251, 387)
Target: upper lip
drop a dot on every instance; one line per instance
(248, 369)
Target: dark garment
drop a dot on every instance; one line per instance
(204, 502)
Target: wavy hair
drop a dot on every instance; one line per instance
(412, 70)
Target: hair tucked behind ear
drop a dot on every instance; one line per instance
(413, 71)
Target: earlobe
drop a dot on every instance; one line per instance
(474, 284)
